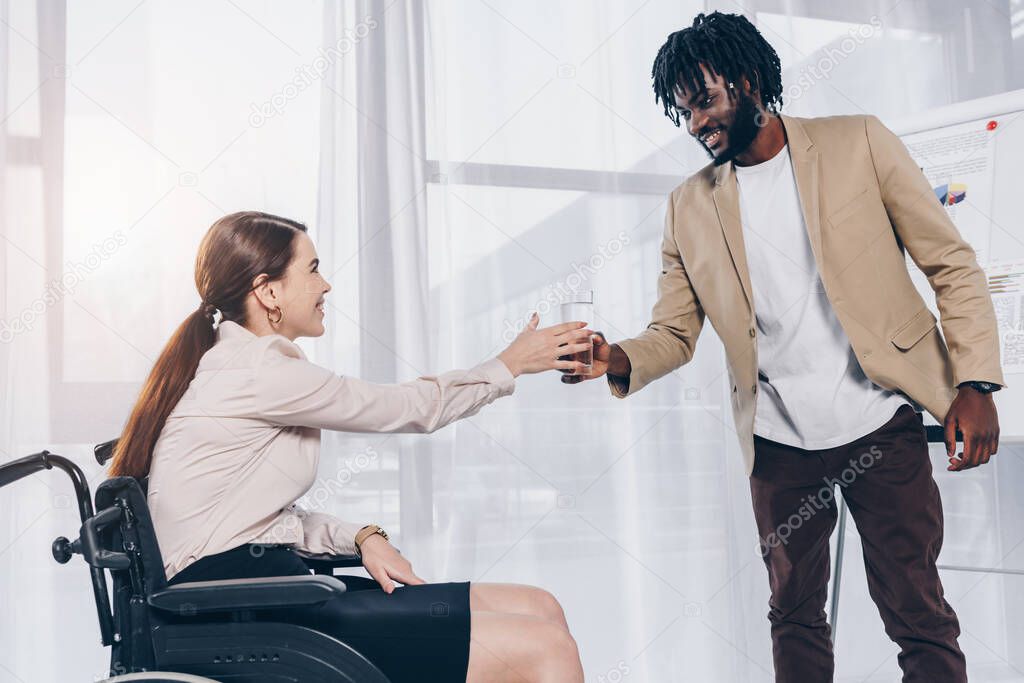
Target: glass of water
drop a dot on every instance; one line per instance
(580, 306)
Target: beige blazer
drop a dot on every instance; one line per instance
(865, 202)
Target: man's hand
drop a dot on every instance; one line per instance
(598, 366)
(384, 563)
(974, 413)
(608, 359)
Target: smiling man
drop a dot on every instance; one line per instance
(792, 242)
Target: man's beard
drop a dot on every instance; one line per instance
(741, 132)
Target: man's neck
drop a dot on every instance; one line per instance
(769, 140)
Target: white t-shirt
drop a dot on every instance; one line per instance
(812, 392)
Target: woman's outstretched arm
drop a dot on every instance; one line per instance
(294, 392)
(289, 390)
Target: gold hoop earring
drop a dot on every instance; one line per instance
(280, 316)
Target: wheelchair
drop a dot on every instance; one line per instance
(196, 631)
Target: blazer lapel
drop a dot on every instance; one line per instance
(804, 158)
(727, 204)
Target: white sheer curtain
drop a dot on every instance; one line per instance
(372, 232)
(627, 511)
(36, 510)
(5, 12)
(553, 166)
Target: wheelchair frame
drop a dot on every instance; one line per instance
(207, 629)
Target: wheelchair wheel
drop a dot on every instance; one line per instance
(159, 677)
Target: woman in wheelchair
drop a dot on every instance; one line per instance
(227, 428)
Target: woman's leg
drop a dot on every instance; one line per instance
(514, 598)
(518, 648)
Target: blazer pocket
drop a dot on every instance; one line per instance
(848, 208)
(914, 329)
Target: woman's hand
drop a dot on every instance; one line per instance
(538, 350)
(385, 563)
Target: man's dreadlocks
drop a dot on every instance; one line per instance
(730, 46)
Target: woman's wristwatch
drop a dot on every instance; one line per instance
(366, 532)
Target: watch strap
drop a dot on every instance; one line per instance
(366, 532)
(983, 387)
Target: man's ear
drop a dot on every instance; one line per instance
(752, 90)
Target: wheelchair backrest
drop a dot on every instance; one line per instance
(144, 574)
(135, 535)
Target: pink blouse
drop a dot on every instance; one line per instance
(243, 443)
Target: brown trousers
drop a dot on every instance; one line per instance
(886, 479)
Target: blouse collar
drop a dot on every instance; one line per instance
(229, 329)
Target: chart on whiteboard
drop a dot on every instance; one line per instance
(1006, 285)
(957, 161)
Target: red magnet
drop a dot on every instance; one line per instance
(991, 125)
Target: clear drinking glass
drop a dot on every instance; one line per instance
(580, 306)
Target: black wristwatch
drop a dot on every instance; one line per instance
(983, 387)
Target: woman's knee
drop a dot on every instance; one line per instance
(518, 599)
(545, 605)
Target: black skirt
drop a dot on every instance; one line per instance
(416, 633)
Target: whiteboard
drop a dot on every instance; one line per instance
(973, 154)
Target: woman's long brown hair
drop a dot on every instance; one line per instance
(234, 252)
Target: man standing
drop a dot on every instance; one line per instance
(792, 243)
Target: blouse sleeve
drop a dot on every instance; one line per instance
(291, 391)
(325, 534)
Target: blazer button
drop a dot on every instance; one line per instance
(751, 331)
(753, 389)
(734, 388)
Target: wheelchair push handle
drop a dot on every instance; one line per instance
(103, 452)
(14, 470)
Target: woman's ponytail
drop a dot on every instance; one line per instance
(166, 384)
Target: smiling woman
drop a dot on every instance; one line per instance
(227, 428)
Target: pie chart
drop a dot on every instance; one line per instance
(951, 193)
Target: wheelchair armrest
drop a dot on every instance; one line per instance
(197, 597)
(325, 563)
